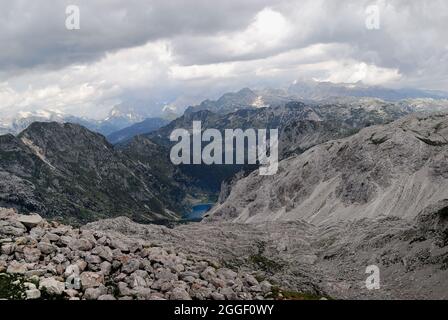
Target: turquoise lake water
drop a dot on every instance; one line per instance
(198, 211)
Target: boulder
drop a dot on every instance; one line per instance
(93, 259)
(71, 269)
(71, 293)
(165, 275)
(250, 280)
(46, 247)
(16, 268)
(228, 293)
(105, 268)
(265, 286)
(12, 228)
(65, 240)
(59, 258)
(143, 293)
(107, 297)
(208, 273)
(80, 244)
(32, 294)
(52, 286)
(52, 237)
(31, 254)
(226, 274)
(93, 293)
(136, 281)
(30, 221)
(82, 265)
(103, 252)
(91, 279)
(120, 245)
(179, 294)
(124, 289)
(8, 248)
(131, 266)
(217, 296)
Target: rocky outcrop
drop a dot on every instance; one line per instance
(398, 169)
(51, 260)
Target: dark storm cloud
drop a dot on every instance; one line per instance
(33, 33)
(412, 35)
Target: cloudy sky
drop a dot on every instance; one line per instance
(181, 51)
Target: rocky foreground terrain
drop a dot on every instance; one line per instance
(121, 259)
(53, 261)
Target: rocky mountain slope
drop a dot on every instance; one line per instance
(300, 126)
(398, 169)
(230, 102)
(66, 171)
(333, 119)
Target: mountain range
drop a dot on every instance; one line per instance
(67, 171)
(361, 182)
(125, 115)
(71, 172)
(119, 118)
(320, 92)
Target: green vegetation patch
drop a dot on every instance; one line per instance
(280, 294)
(12, 287)
(264, 263)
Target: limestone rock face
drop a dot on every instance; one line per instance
(398, 169)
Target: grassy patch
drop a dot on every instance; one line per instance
(114, 287)
(262, 262)
(11, 287)
(280, 294)
(232, 264)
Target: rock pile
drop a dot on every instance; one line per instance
(49, 260)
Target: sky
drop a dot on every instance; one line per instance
(179, 52)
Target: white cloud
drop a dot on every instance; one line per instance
(354, 71)
(268, 30)
(88, 89)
